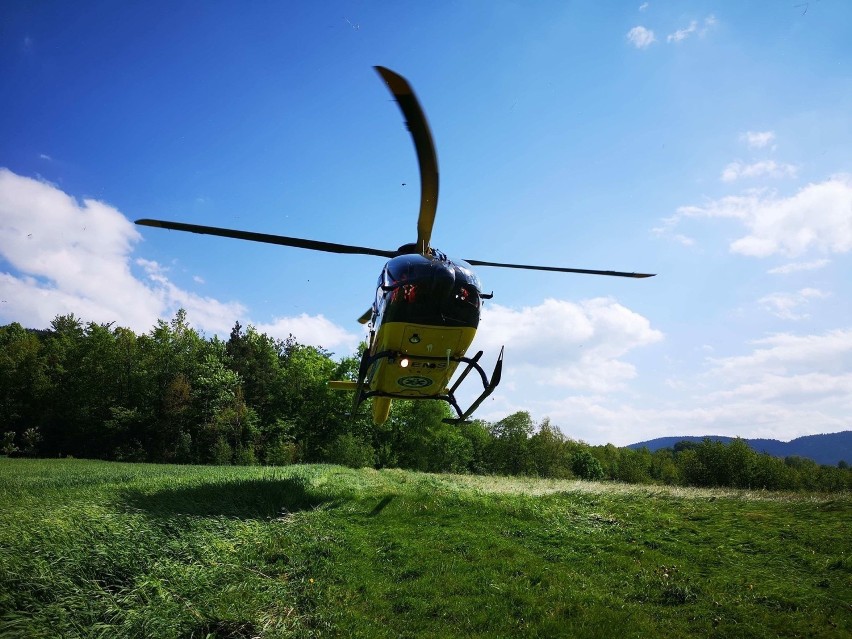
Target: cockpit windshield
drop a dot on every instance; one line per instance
(421, 290)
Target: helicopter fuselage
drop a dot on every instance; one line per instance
(423, 320)
(425, 315)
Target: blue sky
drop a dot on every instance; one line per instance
(707, 142)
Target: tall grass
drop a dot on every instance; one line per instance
(120, 550)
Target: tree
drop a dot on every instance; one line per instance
(319, 414)
(278, 443)
(170, 357)
(634, 466)
(738, 464)
(407, 437)
(769, 473)
(586, 466)
(685, 444)
(478, 433)
(449, 450)
(548, 451)
(62, 418)
(99, 387)
(257, 358)
(663, 466)
(7, 443)
(222, 411)
(24, 385)
(509, 450)
(30, 440)
(705, 464)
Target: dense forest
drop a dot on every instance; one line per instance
(174, 396)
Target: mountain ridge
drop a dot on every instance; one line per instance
(825, 448)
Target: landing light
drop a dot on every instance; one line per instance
(403, 362)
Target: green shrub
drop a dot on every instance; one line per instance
(586, 466)
(244, 456)
(451, 452)
(222, 453)
(281, 453)
(352, 451)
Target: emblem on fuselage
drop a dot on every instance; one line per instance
(414, 381)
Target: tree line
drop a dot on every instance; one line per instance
(174, 396)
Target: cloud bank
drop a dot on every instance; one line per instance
(818, 218)
(61, 256)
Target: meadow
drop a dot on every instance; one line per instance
(104, 549)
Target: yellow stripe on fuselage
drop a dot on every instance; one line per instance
(427, 350)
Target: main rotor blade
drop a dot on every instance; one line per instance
(313, 245)
(559, 269)
(426, 157)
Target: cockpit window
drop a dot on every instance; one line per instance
(429, 291)
(464, 272)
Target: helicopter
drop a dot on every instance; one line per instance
(427, 306)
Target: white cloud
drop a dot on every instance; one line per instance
(758, 139)
(682, 34)
(666, 230)
(205, 313)
(577, 346)
(564, 360)
(817, 218)
(778, 408)
(783, 386)
(786, 354)
(313, 330)
(763, 168)
(71, 257)
(795, 267)
(683, 239)
(809, 386)
(785, 305)
(640, 37)
(643, 6)
(790, 389)
(786, 386)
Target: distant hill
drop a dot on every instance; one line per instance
(825, 449)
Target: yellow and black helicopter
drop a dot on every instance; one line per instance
(427, 305)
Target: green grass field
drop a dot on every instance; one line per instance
(106, 549)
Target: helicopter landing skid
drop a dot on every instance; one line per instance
(472, 364)
(488, 387)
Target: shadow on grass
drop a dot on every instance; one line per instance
(222, 629)
(381, 506)
(242, 499)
